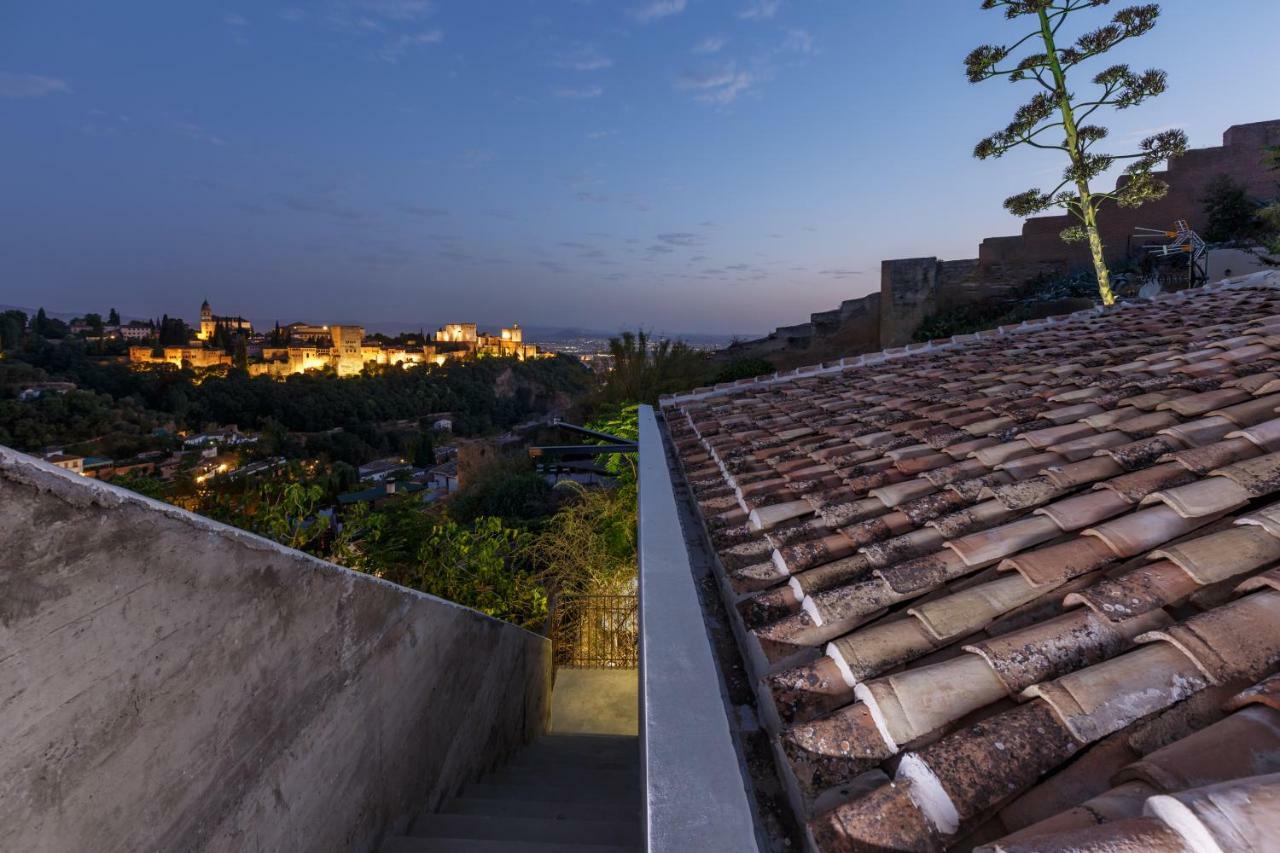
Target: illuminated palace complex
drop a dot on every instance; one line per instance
(509, 342)
(300, 346)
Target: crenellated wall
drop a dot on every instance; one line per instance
(171, 683)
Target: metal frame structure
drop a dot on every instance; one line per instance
(562, 455)
(1185, 241)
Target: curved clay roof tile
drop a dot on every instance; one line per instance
(1104, 698)
(1223, 555)
(1243, 814)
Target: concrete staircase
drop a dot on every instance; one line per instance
(572, 793)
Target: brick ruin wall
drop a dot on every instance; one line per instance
(912, 289)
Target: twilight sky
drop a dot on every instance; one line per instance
(689, 165)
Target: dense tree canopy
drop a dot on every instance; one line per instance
(482, 395)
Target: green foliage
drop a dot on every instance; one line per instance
(477, 565)
(1269, 217)
(423, 451)
(240, 354)
(744, 368)
(959, 321)
(143, 484)
(277, 509)
(644, 370)
(471, 565)
(622, 421)
(119, 428)
(173, 331)
(977, 317)
(12, 325)
(506, 488)
(1231, 216)
(48, 327)
(309, 403)
(589, 546)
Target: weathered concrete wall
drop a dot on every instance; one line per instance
(169, 683)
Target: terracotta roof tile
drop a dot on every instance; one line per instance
(1223, 555)
(1149, 835)
(1246, 743)
(1241, 814)
(1265, 692)
(916, 539)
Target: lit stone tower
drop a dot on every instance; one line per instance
(206, 321)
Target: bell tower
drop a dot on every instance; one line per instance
(206, 321)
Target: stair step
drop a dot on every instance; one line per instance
(622, 752)
(541, 829)
(406, 844)
(542, 792)
(541, 808)
(595, 762)
(618, 780)
(589, 742)
(551, 737)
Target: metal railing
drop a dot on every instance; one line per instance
(595, 631)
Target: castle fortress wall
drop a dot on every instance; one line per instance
(1241, 157)
(912, 289)
(171, 683)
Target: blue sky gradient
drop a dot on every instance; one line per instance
(687, 165)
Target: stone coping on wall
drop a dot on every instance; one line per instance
(695, 791)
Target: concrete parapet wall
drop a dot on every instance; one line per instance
(170, 683)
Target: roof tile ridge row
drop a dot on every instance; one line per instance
(1263, 279)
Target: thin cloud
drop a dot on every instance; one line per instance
(234, 20)
(473, 157)
(601, 134)
(722, 86)
(30, 85)
(711, 44)
(584, 58)
(395, 49)
(580, 93)
(760, 10)
(840, 273)
(319, 203)
(397, 10)
(198, 133)
(799, 41)
(424, 212)
(681, 238)
(658, 10)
